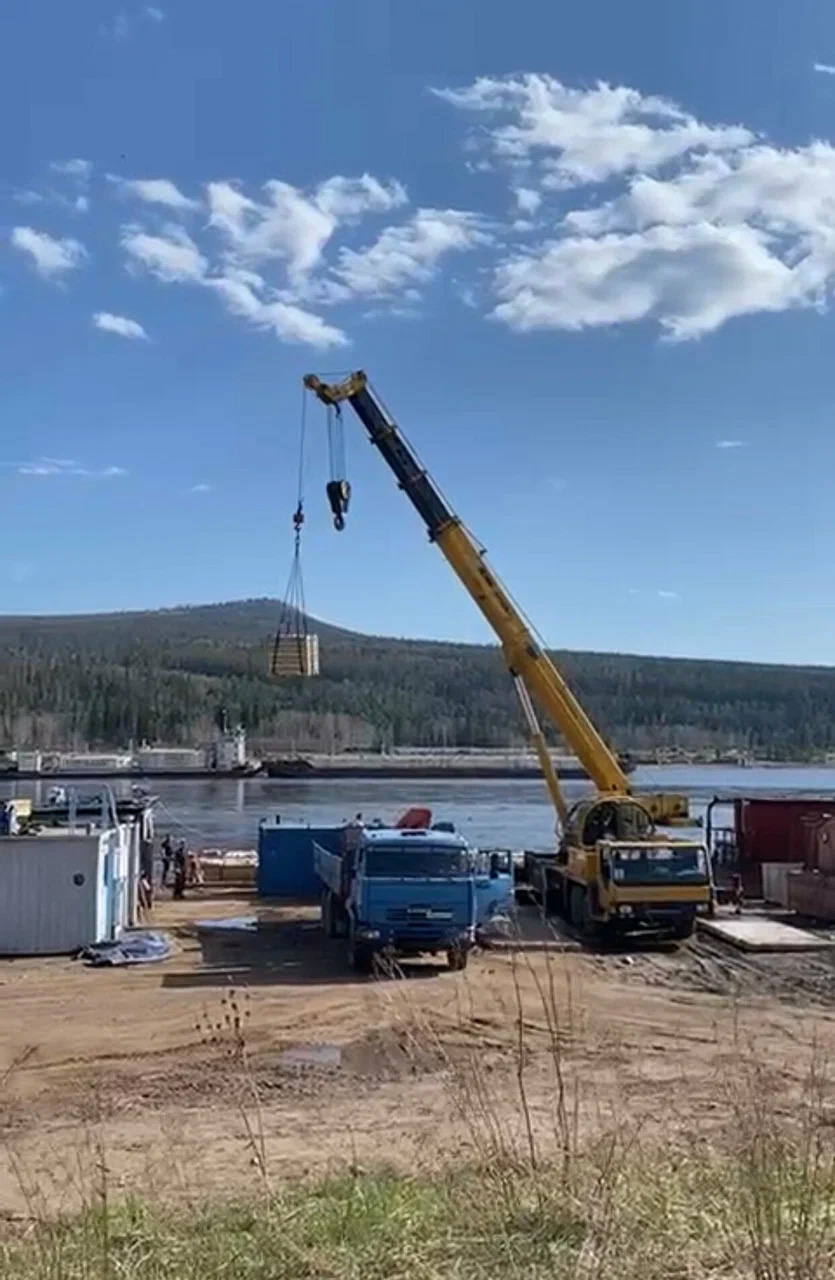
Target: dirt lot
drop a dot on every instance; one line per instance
(258, 1051)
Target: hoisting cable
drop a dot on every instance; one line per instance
(338, 489)
(292, 631)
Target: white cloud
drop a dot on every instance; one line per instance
(707, 222)
(290, 225)
(67, 467)
(200, 488)
(72, 182)
(123, 23)
(409, 253)
(527, 200)
(825, 68)
(576, 136)
(175, 259)
(668, 595)
(51, 257)
(730, 444)
(172, 257)
(689, 279)
(120, 325)
(28, 196)
(247, 295)
(80, 169)
(155, 191)
(264, 255)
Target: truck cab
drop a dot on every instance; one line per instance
(401, 893)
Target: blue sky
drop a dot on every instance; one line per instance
(584, 252)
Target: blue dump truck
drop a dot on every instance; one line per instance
(407, 893)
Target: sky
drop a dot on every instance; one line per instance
(585, 253)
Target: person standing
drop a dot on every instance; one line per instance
(167, 853)
(180, 865)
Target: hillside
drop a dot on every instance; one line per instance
(105, 679)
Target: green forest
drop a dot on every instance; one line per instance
(114, 679)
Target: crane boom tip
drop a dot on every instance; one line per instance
(334, 392)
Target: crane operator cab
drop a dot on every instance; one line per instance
(617, 874)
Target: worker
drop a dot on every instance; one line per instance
(146, 896)
(353, 831)
(180, 863)
(167, 852)
(194, 870)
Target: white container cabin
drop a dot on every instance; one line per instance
(66, 888)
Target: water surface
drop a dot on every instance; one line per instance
(514, 813)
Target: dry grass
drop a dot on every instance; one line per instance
(540, 1192)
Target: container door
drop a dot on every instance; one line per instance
(107, 865)
(119, 886)
(493, 892)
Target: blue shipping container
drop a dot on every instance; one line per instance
(285, 859)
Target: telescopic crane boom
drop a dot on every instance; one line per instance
(534, 673)
(525, 657)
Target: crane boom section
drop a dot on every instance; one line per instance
(523, 654)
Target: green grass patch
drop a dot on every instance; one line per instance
(634, 1215)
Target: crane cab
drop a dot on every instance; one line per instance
(607, 817)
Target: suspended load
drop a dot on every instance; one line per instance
(295, 648)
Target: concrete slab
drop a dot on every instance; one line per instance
(759, 933)
(525, 928)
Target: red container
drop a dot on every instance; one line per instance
(776, 830)
(823, 851)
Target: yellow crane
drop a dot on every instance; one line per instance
(611, 868)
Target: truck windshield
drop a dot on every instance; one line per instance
(658, 865)
(416, 863)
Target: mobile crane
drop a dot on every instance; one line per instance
(612, 871)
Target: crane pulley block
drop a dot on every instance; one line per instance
(339, 496)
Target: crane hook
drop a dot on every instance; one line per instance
(339, 496)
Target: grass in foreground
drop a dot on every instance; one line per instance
(625, 1214)
(538, 1199)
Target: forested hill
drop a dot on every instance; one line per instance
(104, 680)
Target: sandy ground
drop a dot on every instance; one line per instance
(259, 1055)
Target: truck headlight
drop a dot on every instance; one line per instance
(367, 935)
(625, 910)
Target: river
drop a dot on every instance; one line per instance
(513, 814)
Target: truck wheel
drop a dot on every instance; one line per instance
(580, 911)
(457, 958)
(575, 906)
(553, 899)
(339, 917)
(361, 958)
(683, 930)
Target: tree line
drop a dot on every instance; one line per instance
(106, 681)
